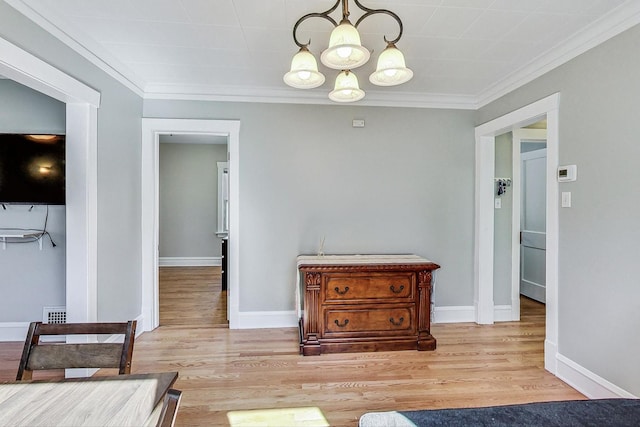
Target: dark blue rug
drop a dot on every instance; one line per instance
(596, 413)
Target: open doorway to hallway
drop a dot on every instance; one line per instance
(520, 219)
(190, 229)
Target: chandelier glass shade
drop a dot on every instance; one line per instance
(391, 69)
(304, 71)
(346, 88)
(345, 53)
(345, 50)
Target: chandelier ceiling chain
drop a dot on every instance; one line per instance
(345, 52)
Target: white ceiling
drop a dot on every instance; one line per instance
(464, 53)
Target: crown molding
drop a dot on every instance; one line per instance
(620, 19)
(293, 96)
(615, 22)
(88, 49)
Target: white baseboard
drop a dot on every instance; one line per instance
(463, 314)
(586, 382)
(502, 313)
(267, 319)
(189, 261)
(454, 314)
(13, 331)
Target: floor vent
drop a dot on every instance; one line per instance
(54, 315)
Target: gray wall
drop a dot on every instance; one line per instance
(188, 206)
(119, 158)
(599, 295)
(502, 223)
(403, 184)
(30, 278)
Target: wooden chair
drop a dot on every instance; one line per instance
(169, 408)
(38, 356)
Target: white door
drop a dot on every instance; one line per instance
(533, 225)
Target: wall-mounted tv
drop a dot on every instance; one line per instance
(32, 169)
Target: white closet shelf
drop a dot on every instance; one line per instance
(13, 233)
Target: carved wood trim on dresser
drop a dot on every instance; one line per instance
(365, 303)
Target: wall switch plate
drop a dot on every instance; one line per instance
(566, 199)
(498, 203)
(358, 123)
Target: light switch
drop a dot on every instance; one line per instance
(566, 199)
(498, 203)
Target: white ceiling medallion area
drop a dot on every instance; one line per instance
(463, 53)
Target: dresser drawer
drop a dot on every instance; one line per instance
(394, 286)
(378, 320)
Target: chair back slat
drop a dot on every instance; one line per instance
(61, 356)
(41, 356)
(81, 328)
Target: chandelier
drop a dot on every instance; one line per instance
(345, 52)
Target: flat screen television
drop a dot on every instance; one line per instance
(32, 169)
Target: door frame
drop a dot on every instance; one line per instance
(82, 103)
(484, 214)
(151, 131)
(519, 135)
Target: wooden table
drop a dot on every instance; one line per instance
(365, 303)
(120, 400)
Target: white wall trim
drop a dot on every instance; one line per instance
(483, 246)
(189, 261)
(24, 68)
(467, 314)
(267, 319)
(454, 314)
(13, 331)
(81, 160)
(81, 213)
(290, 96)
(586, 382)
(151, 131)
(503, 313)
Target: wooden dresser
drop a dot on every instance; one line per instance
(365, 303)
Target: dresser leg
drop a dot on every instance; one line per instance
(310, 346)
(426, 343)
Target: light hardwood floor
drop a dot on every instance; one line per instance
(192, 296)
(224, 370)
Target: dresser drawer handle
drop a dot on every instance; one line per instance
(337, 322)
(393, 289)
(337, 289)
(394, 323)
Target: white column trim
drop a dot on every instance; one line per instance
(483, 247)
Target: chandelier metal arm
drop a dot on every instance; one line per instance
(369, 12)
(324, 15)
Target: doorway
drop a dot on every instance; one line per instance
(484, 218)
(189, 238)
(151, 131)
(532, 159)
